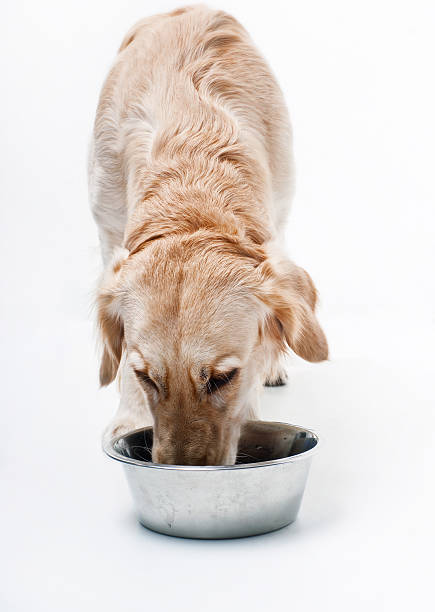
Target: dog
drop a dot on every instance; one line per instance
(190, 179)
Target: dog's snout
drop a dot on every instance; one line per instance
(186, 442)
(186, 450)
(183, 455)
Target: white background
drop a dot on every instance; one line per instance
(358, 78)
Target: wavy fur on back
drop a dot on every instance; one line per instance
(208, 119)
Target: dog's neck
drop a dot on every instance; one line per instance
(193, 191)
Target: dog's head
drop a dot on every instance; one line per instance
(197, 318)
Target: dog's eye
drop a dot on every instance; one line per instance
(145, 379)
(216, 382)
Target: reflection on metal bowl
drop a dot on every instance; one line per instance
(260, 493)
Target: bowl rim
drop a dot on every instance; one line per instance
(109, 449)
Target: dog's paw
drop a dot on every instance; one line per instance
(277, 379)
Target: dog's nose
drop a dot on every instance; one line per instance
(174, 455)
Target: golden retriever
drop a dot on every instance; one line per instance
(190, 181)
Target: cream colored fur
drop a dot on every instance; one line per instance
(190, 180)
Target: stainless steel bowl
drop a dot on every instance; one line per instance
(261, 493)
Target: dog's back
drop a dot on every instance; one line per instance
(188, 83)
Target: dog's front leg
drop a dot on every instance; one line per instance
(251, 408)
(133, 412)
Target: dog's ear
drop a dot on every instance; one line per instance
(290, 298)
(110, 321)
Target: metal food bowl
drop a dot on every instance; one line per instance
(260, 493)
